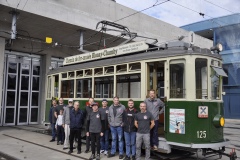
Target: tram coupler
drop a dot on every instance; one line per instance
(220, 152)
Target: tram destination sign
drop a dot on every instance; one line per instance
(104, 53)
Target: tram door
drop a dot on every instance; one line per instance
(21, 101)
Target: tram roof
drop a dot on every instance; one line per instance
(173, 49)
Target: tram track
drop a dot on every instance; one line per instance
(44, 147)
(6, 156)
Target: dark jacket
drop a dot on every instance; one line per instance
(76, 121)
(129, 127)
(50, 115)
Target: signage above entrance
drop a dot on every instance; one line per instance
(104, 53)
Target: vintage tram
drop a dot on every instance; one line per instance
(187, 78)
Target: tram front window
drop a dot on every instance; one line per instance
(67, 89)
(215, 83)
(201, 78)
(177, 79)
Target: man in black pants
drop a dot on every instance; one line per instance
(76, 123)
(95, 125)
(88, 110)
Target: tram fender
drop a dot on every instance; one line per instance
(163, 146)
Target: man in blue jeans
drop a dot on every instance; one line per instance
(53, 119)
(105, 138)
(115, 116)
(130, 130)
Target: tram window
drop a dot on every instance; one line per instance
(177, 79)
(129, 86)
(134, 67)
(122, 68)
(56, 80)
(88, 72)
(64, 75)
(79, 73)
(109, 70)
(49, 87)
(67, 89)
(201, 78)
(71, 74)
(84, 88)
(215, 83)
(104, 87)
(98, 71)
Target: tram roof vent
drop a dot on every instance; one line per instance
(178, 44)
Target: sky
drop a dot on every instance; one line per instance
(179, 16)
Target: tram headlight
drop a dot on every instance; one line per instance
(218, 121)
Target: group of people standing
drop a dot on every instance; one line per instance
(135, 126)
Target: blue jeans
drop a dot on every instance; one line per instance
(53, 130)
(117, 132)
(105, 141)
(154, 135)
(130, 139)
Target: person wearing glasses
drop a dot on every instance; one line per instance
(66, 123)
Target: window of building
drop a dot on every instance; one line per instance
(122, 68)
(80, 73)
(129, 86)
(215, 83)
(98, 71)
(67, 89)
(134, 67)
(109, 70)
(104, 87)
(177, 79)
(201, 78)
(84, 88)
(49, 87)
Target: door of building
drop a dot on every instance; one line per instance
(21, 91)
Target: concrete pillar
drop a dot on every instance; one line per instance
(2, 50)
(46, 62)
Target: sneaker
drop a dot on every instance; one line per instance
(61, 143)
(98, 157)
(92, 157)
(126, 158)
(65, 148)
(120, 156)
(101, 151)
(86, 151)
(155, 148)
(79, 152)
(52, 140)
(111, 155)
(105, 153)
(57, 143)
(69, 152)
(133, 157)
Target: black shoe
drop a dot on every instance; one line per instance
(74, 147)
(57, 143)
(98, 157)
(86, 151)
(69, 152)
(92, 157)
(111, 155)
(61, 143)
(52, 140)
(65, 148)
(79, 152)
(133, 157)
(126, 158)
(120, 156)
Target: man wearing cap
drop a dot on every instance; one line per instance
(88, 110)
(105, 138)
(66, 123)
(115, 120)
(95, 125)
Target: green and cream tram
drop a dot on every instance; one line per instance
(188, 79)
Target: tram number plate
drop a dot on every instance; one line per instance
(201, 134)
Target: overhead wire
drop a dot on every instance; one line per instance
(219, 6)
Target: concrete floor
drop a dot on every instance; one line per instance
(32, 142)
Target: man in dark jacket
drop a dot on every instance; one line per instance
(53, 119)
(130, 130)
(76, 123)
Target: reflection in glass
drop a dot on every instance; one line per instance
(9, 118)
(12, 68)
(49, 87)
(67, 89)
(24, 99)
(11, 81)
(84, 88)
(104, 87)
(35, 84)
(23, 115)
(201, 78)
(25, 69)
(34, 114)
(10, 98)
(215, 82)
(24, 82)
(34, 98)
(36, 70)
